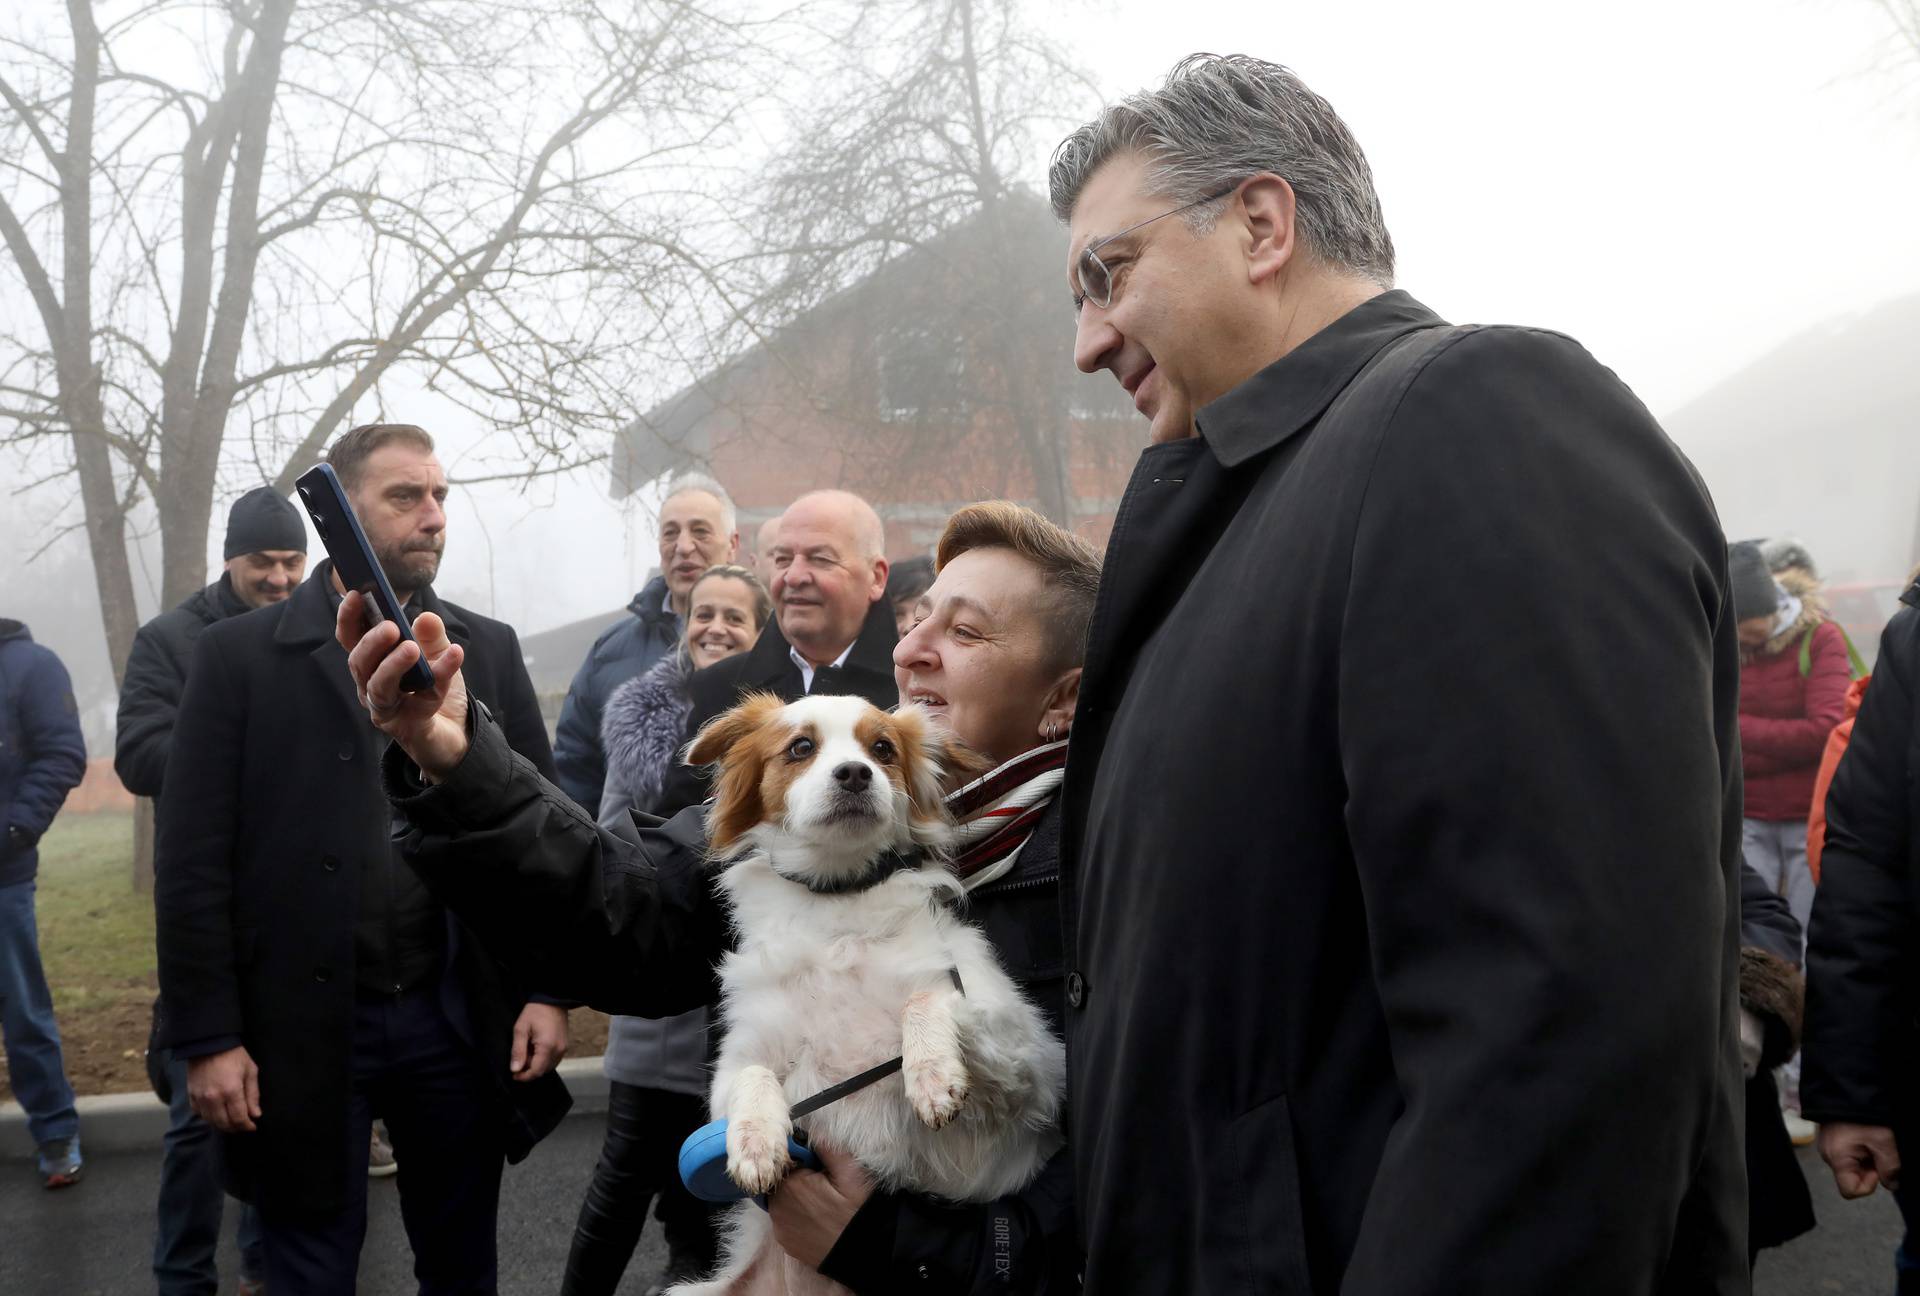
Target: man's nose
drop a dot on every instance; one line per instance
(1095, 339)
(433, 516)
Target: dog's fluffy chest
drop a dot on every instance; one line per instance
(829, 976)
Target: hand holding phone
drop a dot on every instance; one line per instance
(430, 726)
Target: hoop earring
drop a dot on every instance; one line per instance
(1053, 730)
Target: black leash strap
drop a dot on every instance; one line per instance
(854, 1084)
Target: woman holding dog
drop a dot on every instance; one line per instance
(625, 917)
(993, 651)
(657, 1068)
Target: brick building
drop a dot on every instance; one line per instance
(944, 377)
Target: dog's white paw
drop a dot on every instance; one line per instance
(937, 1088)
(756, 1154)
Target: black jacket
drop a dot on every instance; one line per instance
(275, 822)
(768, 667)
(626, 918)
(43, 755)
(1401, 836)
(1779, 1206)
(1021, 1243)
(1861, 1059)
(155, 680)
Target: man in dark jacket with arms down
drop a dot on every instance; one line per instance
(309, 980)
(1390, 901)
(42, 758)
(1860, 1065)
(266, 555)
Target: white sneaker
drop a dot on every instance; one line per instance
(1799, 1128)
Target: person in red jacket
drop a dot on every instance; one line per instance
(1794, 676)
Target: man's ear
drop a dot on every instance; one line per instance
(877, 589)
(1269, 236)
(719, 734)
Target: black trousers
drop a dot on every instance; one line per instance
(639, 1161)
(413, 1071)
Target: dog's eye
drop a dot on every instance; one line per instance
(882, 749)
(799, 749)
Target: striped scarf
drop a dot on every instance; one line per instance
(997, 811)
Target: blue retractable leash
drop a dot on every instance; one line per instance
(703, 1157)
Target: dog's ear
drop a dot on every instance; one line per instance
(718, 735)
(936, 762)
(736, 797)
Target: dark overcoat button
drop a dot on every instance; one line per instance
(323, 974)
(1076, 989)
(346, 753)
(329, 863)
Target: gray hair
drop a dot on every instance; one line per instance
(682, 483)
(1220, 119)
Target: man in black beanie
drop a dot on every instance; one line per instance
(266, 556)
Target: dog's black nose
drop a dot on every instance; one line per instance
(854, 776)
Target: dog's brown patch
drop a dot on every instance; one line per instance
(737, 740)
(920, 769)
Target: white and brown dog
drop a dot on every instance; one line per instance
(828, 815)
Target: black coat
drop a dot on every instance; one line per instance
(768, 667)
(626, 918)
(1861, 1061)
(156, 679)
(1401, 838)
(274, 815)
(1779, 1207)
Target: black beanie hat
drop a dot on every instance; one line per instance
(261, 519)
(1754, 593)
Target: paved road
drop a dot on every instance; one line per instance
(93, 1240)
(96, 1239)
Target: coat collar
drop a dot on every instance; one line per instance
(1294, 390)
(312, 611)
(769, 660)
(650, 604)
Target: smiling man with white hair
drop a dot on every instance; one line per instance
(697, 530)
(1401, 826)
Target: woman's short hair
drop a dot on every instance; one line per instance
(762, 601)
(1068, 565)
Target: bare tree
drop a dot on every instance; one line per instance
(246, 216)
(940, 115)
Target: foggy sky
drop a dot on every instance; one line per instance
(1680, 186)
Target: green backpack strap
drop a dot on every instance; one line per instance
(1856, 665)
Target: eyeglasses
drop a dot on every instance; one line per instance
(1096, 280)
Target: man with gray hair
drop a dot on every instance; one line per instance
(697, 530)
(1401, 910)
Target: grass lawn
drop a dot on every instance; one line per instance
(96, 939)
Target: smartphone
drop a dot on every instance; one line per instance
(353, 560)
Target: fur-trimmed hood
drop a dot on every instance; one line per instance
(1772, 990)
(641, 731)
